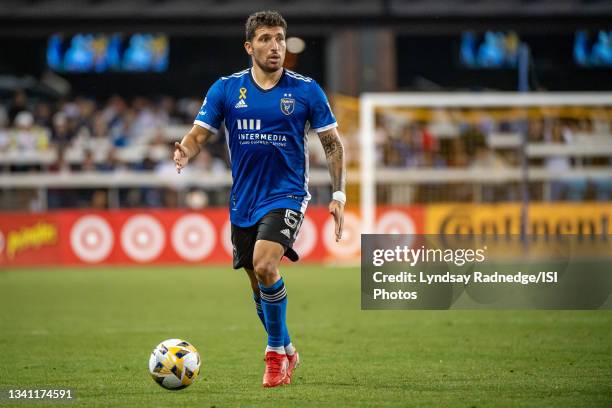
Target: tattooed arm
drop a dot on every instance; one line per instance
(334, 152)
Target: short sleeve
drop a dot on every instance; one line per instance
(210, 115)
(321, 116)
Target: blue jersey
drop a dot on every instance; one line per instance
(267, 139)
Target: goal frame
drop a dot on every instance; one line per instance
(367, 123)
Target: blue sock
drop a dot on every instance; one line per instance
(286, 338)
(259, 310)
(260, 313)
(274, 305)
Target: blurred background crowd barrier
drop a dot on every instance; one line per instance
(456, 115)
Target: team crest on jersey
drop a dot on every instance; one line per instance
(287, 105)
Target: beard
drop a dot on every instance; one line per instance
(268, 68)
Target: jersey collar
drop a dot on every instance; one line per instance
(259, 87)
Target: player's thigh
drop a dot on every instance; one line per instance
(282, 226)
(267, 256)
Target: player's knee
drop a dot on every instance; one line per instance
(265, 269)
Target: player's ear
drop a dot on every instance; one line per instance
(248, 47)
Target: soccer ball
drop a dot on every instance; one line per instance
(174, 364)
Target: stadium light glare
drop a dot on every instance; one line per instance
(295, 45)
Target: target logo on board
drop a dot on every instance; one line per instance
(395, 222)
(91, 238)
(306, 239)
(350, 243)
(143, 238)
(193, 237)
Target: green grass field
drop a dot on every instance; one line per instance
(92, 330)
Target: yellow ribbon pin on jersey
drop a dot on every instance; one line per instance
(242, 93)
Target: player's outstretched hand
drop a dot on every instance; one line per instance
(336, 208)
(181, 156)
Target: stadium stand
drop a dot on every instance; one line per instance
(66, 142)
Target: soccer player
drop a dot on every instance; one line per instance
(267, 111)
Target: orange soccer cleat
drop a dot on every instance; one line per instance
(276, 369)
(294, 361)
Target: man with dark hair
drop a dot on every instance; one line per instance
(264, 19)
(267, 112)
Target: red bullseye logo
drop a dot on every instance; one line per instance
(143, 238)
(395, 222)
(350, 243)
(193, 237)
(307, 238)
(91, 239)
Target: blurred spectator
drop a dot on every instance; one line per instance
(144, 120)
(83, 123)
(159, 150)
(5, 140)
(456, 154)
(573, 189)
(115, 114)
(167, 109)
(382, 135)
(473, 139)
(120, 130)
(406, 150)
(111, 163)
(26, 136)
(60, 165)
(206, 165)
(188, 108)
(205, 162)
(61, 135)
(487, 161)
(114, 109)
(100, 126)
(88, 164)
(19, 104)
(535, 130)
(42, 115)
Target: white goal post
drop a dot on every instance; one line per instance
(369, 102)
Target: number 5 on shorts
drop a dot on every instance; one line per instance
(293, 220)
